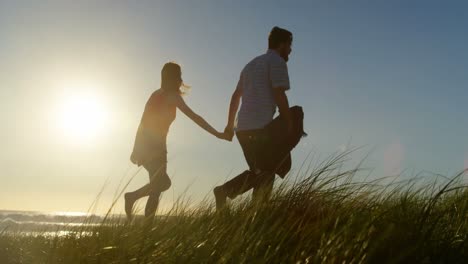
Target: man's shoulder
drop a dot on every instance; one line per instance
(255, 61)
(262, 57)
(275, 58)
(267, 58)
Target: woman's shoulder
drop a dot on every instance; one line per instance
(156, 94)
(154, 99)
(160, 97)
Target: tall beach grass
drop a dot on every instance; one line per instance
(325, 214)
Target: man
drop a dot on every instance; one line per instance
(262, 87)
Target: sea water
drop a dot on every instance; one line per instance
(47, 223)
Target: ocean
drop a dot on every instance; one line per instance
(46, 223)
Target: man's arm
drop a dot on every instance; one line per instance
(233, 107)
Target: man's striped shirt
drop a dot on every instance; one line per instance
(257, 81)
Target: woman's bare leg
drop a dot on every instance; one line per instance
(152, 204)
(159, 182)
(132, 197)
(158, 185)
(142, 192)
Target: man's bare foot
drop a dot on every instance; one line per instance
(220, 197)
(129, 201)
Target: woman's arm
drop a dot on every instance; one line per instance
(196, 118)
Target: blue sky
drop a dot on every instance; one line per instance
(387, 75)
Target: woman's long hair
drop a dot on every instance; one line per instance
(171, 79)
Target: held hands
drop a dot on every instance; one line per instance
(228, 133)
(224, 135)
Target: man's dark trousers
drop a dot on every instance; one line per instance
(267, 152)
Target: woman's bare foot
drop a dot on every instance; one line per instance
(129, 201)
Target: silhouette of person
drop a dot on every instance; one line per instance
(150, 150)
(265, 142)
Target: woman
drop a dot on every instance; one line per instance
(150, 143)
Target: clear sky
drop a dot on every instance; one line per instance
(387, 75)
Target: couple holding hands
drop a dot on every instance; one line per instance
(266, 142)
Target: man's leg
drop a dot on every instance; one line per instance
(234, 187)
(244, 181)
(263, 187)
(262, 184)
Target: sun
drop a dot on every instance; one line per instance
(81, 117)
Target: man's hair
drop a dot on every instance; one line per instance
(277, 36)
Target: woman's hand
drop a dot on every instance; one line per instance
(223, 135)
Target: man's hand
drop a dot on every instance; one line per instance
(223, 135)
(229, 132)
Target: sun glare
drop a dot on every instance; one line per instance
(81, 117)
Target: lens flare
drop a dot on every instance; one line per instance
(81, 117)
